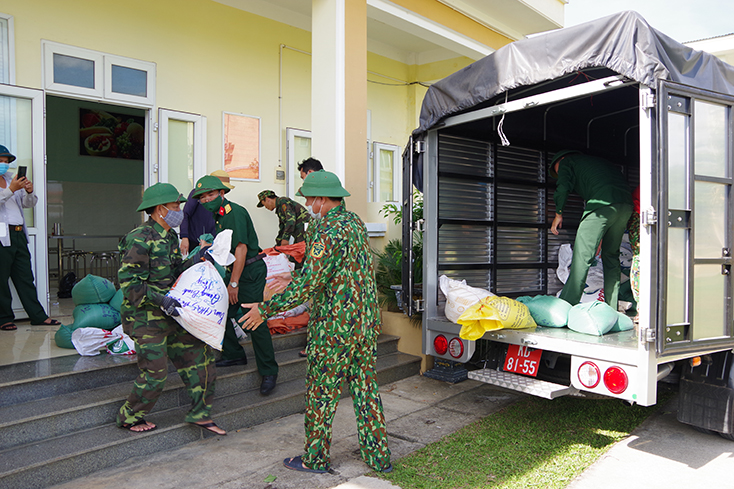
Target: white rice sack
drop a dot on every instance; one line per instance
(124, 346)
(459, 296)
(278, 264)
(204, 300)
(88, 341)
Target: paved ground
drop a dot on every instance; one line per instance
(660, 454)
(419, 411)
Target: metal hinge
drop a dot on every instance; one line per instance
(419, 147)
(418, 305)
(649, 217)
(648, 335)
(648, 100)
(419, 225)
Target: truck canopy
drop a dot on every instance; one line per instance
(623, 43)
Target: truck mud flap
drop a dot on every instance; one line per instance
(521, 383)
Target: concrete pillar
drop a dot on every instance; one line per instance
(339, 93)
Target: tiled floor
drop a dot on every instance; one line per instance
(29, 343)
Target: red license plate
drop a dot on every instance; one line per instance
(522, 360)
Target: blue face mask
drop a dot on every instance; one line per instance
(4, 168)
(174, 218)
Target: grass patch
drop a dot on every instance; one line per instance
(533, 443)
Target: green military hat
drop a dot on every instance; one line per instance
(207, 183)
(160, 193)
(322, 184)
(551, 171)
(264, 195)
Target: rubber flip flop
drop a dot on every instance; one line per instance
(53, 322)
(208, 426)
(8, 327)
(296, 463)
(127, 426)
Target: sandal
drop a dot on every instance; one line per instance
(129, 426)
(386, 470)
(296, 463)
(8, 327)
(47, 322)
(210, 426)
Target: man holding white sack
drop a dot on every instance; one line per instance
(339, 278)
(150, 263)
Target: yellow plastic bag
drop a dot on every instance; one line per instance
(492, 313)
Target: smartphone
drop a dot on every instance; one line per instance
(22, 171)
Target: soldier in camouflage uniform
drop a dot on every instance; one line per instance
(292, 217)
(151, 263)
(338, 278)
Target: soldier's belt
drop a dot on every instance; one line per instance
(254, 259)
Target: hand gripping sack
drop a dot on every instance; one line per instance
(204, 300)
(459, 296)
(492, 313)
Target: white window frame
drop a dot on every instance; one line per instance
(103, 62)
(8, 47)
(292, 174)
(199, 121)
(146, 66)
(396, 176)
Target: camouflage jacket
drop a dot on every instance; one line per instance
(150, 264)
(292, 217)
(339, 279)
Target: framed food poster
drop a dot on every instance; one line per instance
(241, 146)
(111, 135)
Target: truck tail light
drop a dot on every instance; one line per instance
(440, 344)
(589, 375)
(456, 347)
(615, 379)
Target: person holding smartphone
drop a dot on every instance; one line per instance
(16, 193)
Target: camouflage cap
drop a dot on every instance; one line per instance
(160, 193)
(322, 184)
(207, 183)
(264, 195)
(4, 152)
(551, 171)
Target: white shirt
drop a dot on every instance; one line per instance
(11, 207)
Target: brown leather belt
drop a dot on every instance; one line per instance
(16, 228)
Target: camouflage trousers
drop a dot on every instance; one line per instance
(157, 340)
(327, 368)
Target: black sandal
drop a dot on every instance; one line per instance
(8, 327)
(128, 426)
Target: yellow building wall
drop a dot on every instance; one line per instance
(212, 58)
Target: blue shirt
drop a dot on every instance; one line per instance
(197, 220)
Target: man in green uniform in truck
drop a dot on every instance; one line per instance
(338, 277)
(246, 279)
(150, 264)
(608, 201)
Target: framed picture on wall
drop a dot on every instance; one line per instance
(241, 150)
(111, 135)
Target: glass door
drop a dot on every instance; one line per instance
(298, 148)
(21, 131)
(696, 220)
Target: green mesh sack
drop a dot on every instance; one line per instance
(116, 301)
(63, 337)
(594, 318)
(624, 323)
(92, 290)
(547, 310)
(102, 316)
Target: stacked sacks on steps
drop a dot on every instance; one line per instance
(92, 296)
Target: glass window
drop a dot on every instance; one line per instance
(181, 155)
(70, 70)
(710, 219)
(387, 172)
(129, 81)
(710, 139)
(677, 276)
(5, 51)
(709, 314)
(677, 161)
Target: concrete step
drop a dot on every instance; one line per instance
(84, 409)
(81, 451)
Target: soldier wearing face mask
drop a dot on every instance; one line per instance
(16, 193)
(151, 263)
(246, 279)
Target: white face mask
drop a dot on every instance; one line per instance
(315, 215)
